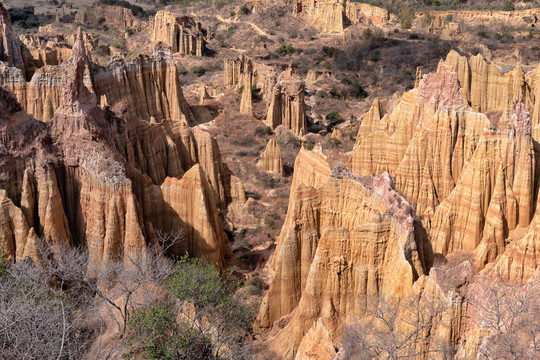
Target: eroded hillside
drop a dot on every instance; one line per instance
(368, 176)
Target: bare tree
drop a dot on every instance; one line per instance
(511, 315)
(393, 328)
(54, 309)
(38, 321)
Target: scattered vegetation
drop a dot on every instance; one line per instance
(198, 70)
(286, 49)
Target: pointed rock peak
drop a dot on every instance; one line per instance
(196, 172)
(78, 51)
(377, 109)
(76, 90)
(522, 120)
(10, 47)
(272, 144)
(441, 89)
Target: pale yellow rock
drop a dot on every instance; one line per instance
(349, 239)
(263, 76)
(192, 200)
(287, 106)
(271, 158)
(149, 85)
(181, 33)
(333, 15)
(316, 344)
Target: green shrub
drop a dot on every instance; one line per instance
(374, 55)
(310, 146)
(333, 116)
(427, 19)
(219, 319)
(509, 6)
(244, 9)
(240, 235)
(286, 49)
(334, 142)
(406, 17)
(268, 130)
(449, 18)
(157, 328)
(198, 70)
(270, 223)
(241, 89)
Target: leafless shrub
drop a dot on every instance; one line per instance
(38, 321)
(511, 315)
(397, 329)
(57, 307)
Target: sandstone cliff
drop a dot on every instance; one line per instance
(334, 15)
(517, 18)
(271, 158)
(339, 238)
(489, 91)
(42, 50)
(263, 76)
(287, 105)
(149, 86)
(493, 195)
(181, 33)
(41, 96)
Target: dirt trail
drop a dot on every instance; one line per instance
(255, 27)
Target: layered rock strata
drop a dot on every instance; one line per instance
(40, 50)
(181, 33)
(150, 86)
(517, 18)
(113, 16)
(89, 179)
(345, 239)
(287, 105)
(41, 96)
(335, 15)
(489, 91)
(263, 76)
